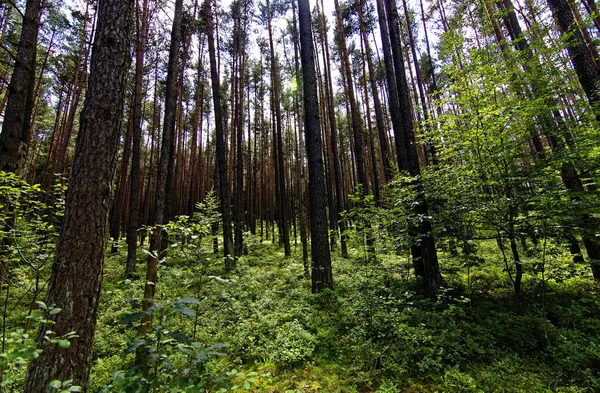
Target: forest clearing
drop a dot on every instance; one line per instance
(371, 196)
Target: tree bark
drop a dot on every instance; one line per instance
(583, 61)
(76, 277)
(279, 164)
(158, 237)
(220, 140)
(424, 251)
(134, 193)
(333, 142)
(16, 134)
(320, 255)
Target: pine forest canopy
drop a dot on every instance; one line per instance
(359, 150)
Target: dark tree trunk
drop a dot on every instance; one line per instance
(320, 255)
(16, 134)
(379, 117)
(77, 88)
(357, 129)
(118, 205)
(76, 277)
(134, 194)
(278, 145)
(220, 140)
(157, 239)
(335, 155)
(424, 251)
(568, 171)
(238, 124)
(583, 61)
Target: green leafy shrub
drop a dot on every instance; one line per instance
(293, 344)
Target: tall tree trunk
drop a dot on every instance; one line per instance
(320, 255)
(280, 173)
(116, 216)
(357, 129)
(158, 237)
(76, 277)
(16, 131)
(77, 88)
(16, 134)
(134, 194)
(379, 117)
(300, 148)
(424, 251)
(238, 124)
(337, 172)
(583, 61)
(220, 140)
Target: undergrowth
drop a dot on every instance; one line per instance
(373, 333)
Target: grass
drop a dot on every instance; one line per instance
(374, 332)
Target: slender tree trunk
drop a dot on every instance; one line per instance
(116, 216)
(77, 88)
(337, 172)
(238, 125)
(157, 239)
(76, 277)
(220, 141)
(134, 195)
(379, 117)
(280, 173)
(321, 257)
(424, 252)
(354, 111)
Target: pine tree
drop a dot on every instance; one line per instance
(76, 277)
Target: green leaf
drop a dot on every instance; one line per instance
(185, 311)
(134, 317)
(188, 300)
(64, 344)
(180, 337)
(56, 384)
(134, 345)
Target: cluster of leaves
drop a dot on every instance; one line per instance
(19, 348)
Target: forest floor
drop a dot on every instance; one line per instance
(262, 330)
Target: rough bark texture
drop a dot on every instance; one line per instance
(220, 139)
(77, 271)
(321, 257)
(15, 134)
(583, 61)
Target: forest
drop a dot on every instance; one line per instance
(374, 196)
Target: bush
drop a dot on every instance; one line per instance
(293, 344)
